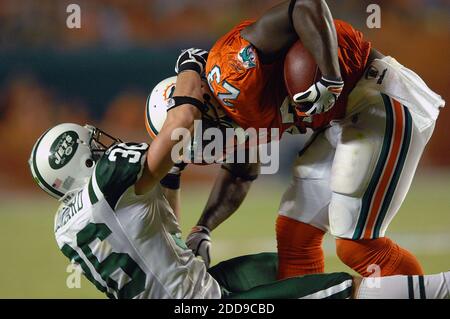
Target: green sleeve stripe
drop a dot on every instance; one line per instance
(98, 192)
(95, 194)
(92, 197)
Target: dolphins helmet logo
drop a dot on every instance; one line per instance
(247, 56)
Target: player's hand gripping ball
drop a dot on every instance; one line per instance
(199, 241)
(192, 59)
(319, 98)
(311, 92)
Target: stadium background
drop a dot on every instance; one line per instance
(102, 74)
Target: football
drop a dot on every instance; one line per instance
(300, 69)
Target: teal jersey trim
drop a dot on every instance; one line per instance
(397, 173)
(368, 195)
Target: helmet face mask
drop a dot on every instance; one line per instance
(100, 141)
(63, 158)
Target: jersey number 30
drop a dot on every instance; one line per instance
(109, 265)
(131, 152)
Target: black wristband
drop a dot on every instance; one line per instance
(171, 181)
(181, 100)
(190, 66)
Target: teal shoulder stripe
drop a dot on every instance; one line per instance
(397, 172)
(368, 195)
(92, 197)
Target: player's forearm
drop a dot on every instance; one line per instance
(189, 83)
(314, 25)
(181, 117)
(160, 161)
(229, 191)
(226, 196)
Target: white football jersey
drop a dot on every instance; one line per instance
(129, 246)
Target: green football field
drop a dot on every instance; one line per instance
(33, 267)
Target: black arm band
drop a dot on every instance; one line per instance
(171, 181)
(181, 100)
(190, 66)
(291, 11)
(245, 177)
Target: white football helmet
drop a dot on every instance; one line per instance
(63, 158)
(157, 104)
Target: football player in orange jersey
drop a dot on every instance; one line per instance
(371, 117)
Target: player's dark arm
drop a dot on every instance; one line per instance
(229, 191)
(309, 20)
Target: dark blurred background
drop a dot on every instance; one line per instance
(102, 72)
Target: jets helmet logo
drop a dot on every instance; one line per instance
(63, 149)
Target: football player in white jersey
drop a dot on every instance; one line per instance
(119, 226)
(124, 236)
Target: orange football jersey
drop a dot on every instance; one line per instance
(252, 93)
